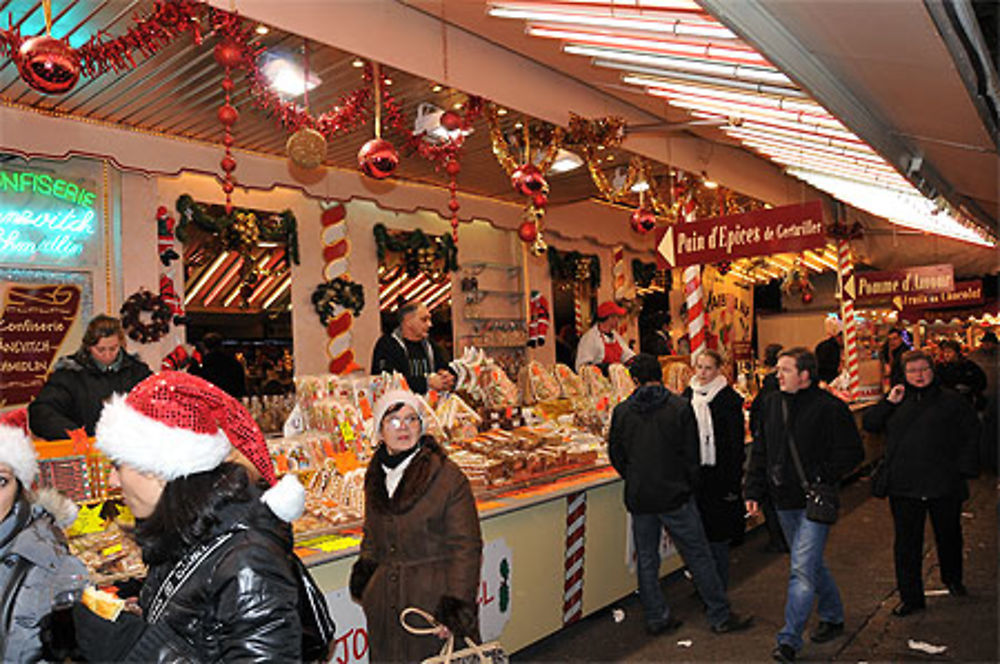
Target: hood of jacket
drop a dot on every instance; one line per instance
(648, 398)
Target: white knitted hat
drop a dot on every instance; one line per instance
(390, 399)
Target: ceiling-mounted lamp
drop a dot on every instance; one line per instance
(565, 161)
(286, 75)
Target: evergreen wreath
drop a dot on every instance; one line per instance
(281, 227)
(420, 250)
(574, 266)
(131, 312)
(338, 292)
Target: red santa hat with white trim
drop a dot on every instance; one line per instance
(16, 448)
(173, 424)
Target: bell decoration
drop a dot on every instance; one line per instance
(378, 158)
(48, 65)
(527, 231)
(306, 148)
(642, 220)
(528, 180)
(539, 247)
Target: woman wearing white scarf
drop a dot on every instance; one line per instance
(718, 410)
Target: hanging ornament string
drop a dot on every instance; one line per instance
(47, 9)
(379, 82)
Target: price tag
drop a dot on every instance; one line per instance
(88, 521)
(330, 543)
(111, 550)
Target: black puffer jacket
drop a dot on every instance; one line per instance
(653, 444)
(825, 435)
(75, 392)
(932, 438)
(241, 604)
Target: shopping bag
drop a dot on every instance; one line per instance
(473, 653)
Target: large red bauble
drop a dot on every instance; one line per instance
(527, 231)
(228, 53)
(228, 115)
(642, 221)
(48, 65)
(378, 158)
(807, 297)
(450, 120)
(528, 180)
(228, 164)
(452, 167)
(540, 200)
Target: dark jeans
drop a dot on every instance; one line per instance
(810, 580)
(684, 527)
(720, 553)
(908, 517)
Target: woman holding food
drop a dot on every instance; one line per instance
(422, 543)
(222, 582)
(37, 566)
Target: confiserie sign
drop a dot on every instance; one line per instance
(891, 284)
(789, 228)
(33, 325)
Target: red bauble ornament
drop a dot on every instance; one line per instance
(539, 200)
(228, 164)
(227, 187)
(48, 65)
(228, 53)
(527, 231)
(452, 167)
(378, 158)
(528, 180)
(228, 115)
(453, 205)
(450, 120)
(807, 297)
(642, 221)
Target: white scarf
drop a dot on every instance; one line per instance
(701, 396)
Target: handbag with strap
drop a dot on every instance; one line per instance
(822, 502)
(473, 653)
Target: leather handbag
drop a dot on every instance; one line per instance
(473, 653)
(822, 501)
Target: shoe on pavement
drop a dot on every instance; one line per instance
(671, 625)
(783, 653)
(734, 623)
(904, 609)
(957, 589)
(826, 631)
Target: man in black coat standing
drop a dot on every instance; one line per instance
(409, 351)
(653, 444)
(932, 447)
(822, 428)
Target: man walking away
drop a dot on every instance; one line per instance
(827, 441)
(653, 444)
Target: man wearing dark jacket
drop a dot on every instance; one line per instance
(653, 444)
(74, 394)
(961, 374)
(826, 438)
(932, 438)
(409, 351)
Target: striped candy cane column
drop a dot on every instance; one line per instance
(578, 311)
(336, 248)
(576, 521)
(845, 270)
(618, 280)
(694, 297)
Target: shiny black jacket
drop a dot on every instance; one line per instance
(74, 394)
(241, 604)
(932, 438)
(826, 438)
(653, 444)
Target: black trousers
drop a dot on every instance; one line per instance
(909, 516)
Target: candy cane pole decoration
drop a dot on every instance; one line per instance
(576, 521)
(694, 296)
(845, 270)
(618, 280)
(578, 311)
(336, 249)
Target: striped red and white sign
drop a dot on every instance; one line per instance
(576, 520)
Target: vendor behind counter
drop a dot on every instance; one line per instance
(74, 394)
(408, 350)
(601, 345)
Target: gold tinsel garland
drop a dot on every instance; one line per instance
(502, 149)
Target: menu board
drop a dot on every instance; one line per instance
(38, 323)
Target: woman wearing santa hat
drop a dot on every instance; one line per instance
(223, 584)
(422, 544)
(601, 344)
(37, 566)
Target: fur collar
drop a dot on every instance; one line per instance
(416, 478)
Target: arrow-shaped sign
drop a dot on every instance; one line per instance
(666, 247)
(898, 303)
(850, 288)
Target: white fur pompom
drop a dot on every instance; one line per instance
(287, 498)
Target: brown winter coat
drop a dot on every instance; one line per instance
(421, 548)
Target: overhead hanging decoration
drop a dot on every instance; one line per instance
(228, 55)
(378, 158)
(306, 147)
(527, 173)
(796, 282)
(574, 266)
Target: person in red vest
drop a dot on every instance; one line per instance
(601, 345)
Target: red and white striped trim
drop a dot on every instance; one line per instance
(576, 520)
(845, 270)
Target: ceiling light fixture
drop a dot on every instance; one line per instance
(285, 75)
(357, 63)
(262, 29)
(683, 22)
(739, 72)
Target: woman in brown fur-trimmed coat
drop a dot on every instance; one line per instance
(422, 545)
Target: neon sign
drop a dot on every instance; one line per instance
(38, 224)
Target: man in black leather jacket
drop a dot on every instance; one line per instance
(75, 392)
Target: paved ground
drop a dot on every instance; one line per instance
(860, 556)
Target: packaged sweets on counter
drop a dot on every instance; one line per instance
(569, 383)
(537, 384)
